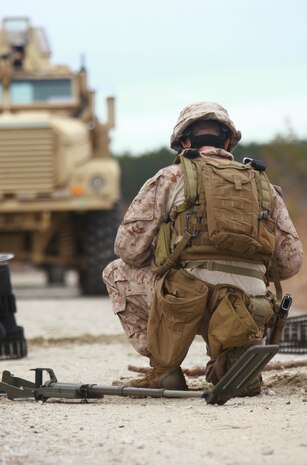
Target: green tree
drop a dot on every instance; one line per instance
(137, 169)
(285, 157)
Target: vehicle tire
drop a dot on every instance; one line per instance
(55, 275)
(14, 344)
(2, 332)
(97, 248)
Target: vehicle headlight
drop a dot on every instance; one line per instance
(97, 182)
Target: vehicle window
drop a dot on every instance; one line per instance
(16, 30)
(39, 91)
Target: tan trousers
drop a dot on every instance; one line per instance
(131, 292)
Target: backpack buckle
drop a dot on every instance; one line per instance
(187, 223)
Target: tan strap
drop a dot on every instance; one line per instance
(190, 178)
(276, 279)
(214, 266)
(264, 192)
(171, 261)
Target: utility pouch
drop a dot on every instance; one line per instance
(231, 324)
(175, 315)
(162, 251)
(262, 309)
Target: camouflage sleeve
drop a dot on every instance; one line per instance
(147, 211)
(289, 249)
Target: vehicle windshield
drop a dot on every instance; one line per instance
(16, 30)
(29, 91)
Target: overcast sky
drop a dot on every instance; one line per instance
(156, 56)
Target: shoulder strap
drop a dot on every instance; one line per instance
(171, 261)
(190, 178)
(266, 205)
(190, 193)
(264, 192)
(273, 271)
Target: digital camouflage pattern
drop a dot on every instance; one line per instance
(289, 249)
(203, 111)
(131, 291)
(130, 280)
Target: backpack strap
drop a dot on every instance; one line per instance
(264, 192)
(190, 194)
(190, 178)
(266, 205)
(171, 260)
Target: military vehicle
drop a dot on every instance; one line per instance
(59, 184)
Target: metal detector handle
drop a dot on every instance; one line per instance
(285, 306)
(39, 376)
(281, 319)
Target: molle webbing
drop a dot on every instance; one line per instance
(231, 211)
(238, 197)
(191, 179)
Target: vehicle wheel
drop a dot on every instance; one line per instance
(55, 275)
(2, 332)
(14, 344)
(97, 248)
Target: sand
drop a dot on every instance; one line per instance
(83, 342)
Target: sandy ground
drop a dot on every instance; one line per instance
(83, 342)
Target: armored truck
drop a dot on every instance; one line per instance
(59, 183)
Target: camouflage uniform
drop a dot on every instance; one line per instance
(130, 280)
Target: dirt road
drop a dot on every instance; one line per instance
(83, 342)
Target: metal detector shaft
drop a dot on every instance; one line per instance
(18, 388)
(232, 383)
(97, 391)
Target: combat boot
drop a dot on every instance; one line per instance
(161, 378)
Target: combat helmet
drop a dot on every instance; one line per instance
(203, 111)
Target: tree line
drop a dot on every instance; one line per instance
(285, 158)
